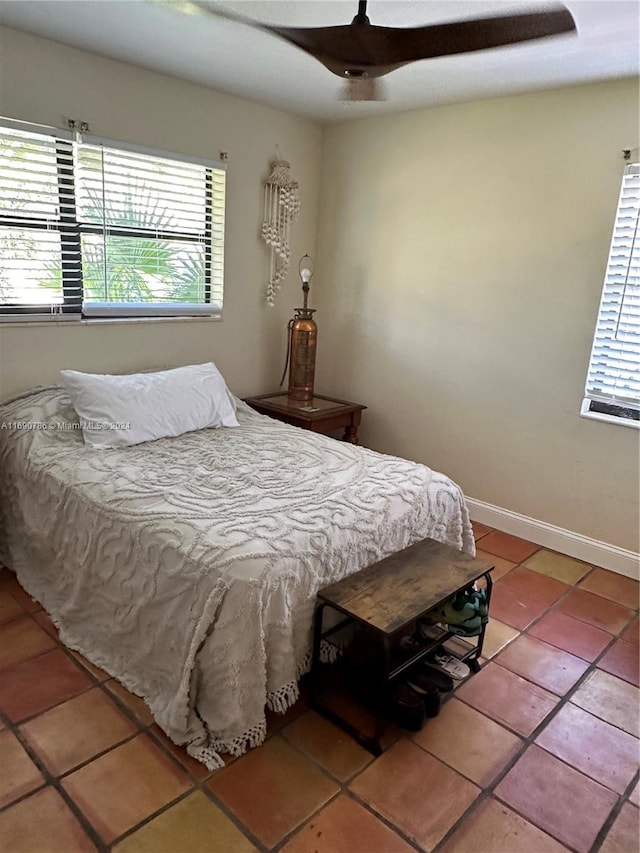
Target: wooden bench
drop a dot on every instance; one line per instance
(387, 598)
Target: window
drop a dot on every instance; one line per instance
(613, 382)
(97, 229)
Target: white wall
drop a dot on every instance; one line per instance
(461, 260)
(42, 81)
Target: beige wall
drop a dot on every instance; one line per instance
(461, 259)
(42, 81)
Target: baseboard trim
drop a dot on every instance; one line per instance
(557, 538)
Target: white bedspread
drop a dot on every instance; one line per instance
(188, 567)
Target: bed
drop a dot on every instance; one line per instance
(187, 567)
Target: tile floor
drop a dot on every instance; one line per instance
(536, 753)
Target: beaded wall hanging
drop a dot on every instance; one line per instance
(281, 208)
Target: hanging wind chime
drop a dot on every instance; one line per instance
(281, 208)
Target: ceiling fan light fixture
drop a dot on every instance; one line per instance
(362, 88)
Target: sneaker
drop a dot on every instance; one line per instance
(442, 681)
(430, 630)
(471, 628)
(448, 664)
(411, 645)
(461, 608)
(425, 687)
(407, 708)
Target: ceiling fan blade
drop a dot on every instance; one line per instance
(358, 49)
(361, 49)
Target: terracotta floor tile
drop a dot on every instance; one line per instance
(618, 588)
(468, 741)
(9, 608)
(494, 828)
(195, 824)
(415, 792)
(623, 660)
(195, 767)
(276, 722)
(543, 664)
(623, 836)
(56, 830)
(34, 685)
(22, 639)
(634, 796)
(75, 731)
(133, 702)
(632, 633)
(557, 566)
(363, 718)
(18, 773)
(125, 785)
(611, 699)
(44, 622)
(98, 674)
(344, 826)
(596, 610)
(512, 608)
(480, 530)
(507, 698)
(510, 547)
(497, 636)
(332, 748)
(272, 789)
(500, 566)
(529, 584)
(12, 586)
(572, 635)
(557, 798)
(597, 749)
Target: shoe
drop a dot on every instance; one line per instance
(425, 687)
(429, 631)
(412, 645)
(447, 664)
(464, 605)
(464, 613)
(442, 681)
(471, 628)
(407, 708)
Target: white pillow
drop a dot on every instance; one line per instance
(118, 411)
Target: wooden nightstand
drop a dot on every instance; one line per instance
(322, 414)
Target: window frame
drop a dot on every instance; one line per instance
(73, 304)
(16, 311)
(596, 404)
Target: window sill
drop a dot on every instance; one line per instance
(610, 419)
(100, 321)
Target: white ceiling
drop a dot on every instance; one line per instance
(234, 58)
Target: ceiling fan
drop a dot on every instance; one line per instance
(361, 51)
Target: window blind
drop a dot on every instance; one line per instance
(613, 380)
(39, 259)
(88, 226)
(152, 233)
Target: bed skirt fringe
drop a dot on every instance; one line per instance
(278, 700)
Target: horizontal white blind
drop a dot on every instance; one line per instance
(36, 201)
(152, 232)
(87, 225)
(614, 368)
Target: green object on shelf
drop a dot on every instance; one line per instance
(464, 613)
